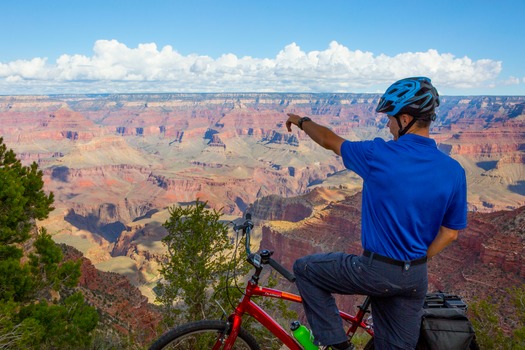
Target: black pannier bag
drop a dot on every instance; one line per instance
(445, 325)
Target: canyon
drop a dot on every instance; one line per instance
(116, 163)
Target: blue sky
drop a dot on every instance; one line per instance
(466, 47)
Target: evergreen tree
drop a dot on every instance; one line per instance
(196, 263)
(22, 198)
(32, 274)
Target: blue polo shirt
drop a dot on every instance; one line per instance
(410, 189)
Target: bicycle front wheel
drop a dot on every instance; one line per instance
(203, 335)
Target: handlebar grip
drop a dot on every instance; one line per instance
(282, 270)
(247, 241)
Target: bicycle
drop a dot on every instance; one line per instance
(229, 334)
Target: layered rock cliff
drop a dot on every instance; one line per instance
(121, 305)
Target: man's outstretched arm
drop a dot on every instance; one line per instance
(320, 134)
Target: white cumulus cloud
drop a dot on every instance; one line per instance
(114, 67)
(512, 81)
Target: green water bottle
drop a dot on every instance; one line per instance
(303, 336)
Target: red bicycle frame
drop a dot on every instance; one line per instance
(247, 306)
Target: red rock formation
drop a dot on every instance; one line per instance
(59, 124)
(491, 142)
(513, 158)
(121, 305)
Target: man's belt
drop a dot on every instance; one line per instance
(391, 261)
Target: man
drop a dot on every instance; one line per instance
(414, 203)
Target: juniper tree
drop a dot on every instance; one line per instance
(196, 263)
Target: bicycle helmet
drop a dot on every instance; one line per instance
(415, 96)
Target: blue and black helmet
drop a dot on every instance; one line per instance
(415, 96)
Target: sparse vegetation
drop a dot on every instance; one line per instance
(196, 264)
(486, 321)
(38, 308)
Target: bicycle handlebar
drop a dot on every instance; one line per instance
(282, 270)
(246, 228)
(265, 256)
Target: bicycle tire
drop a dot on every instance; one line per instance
(199, 335)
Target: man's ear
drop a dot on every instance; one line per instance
(405, 119)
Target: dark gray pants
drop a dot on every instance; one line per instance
(397, 295)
